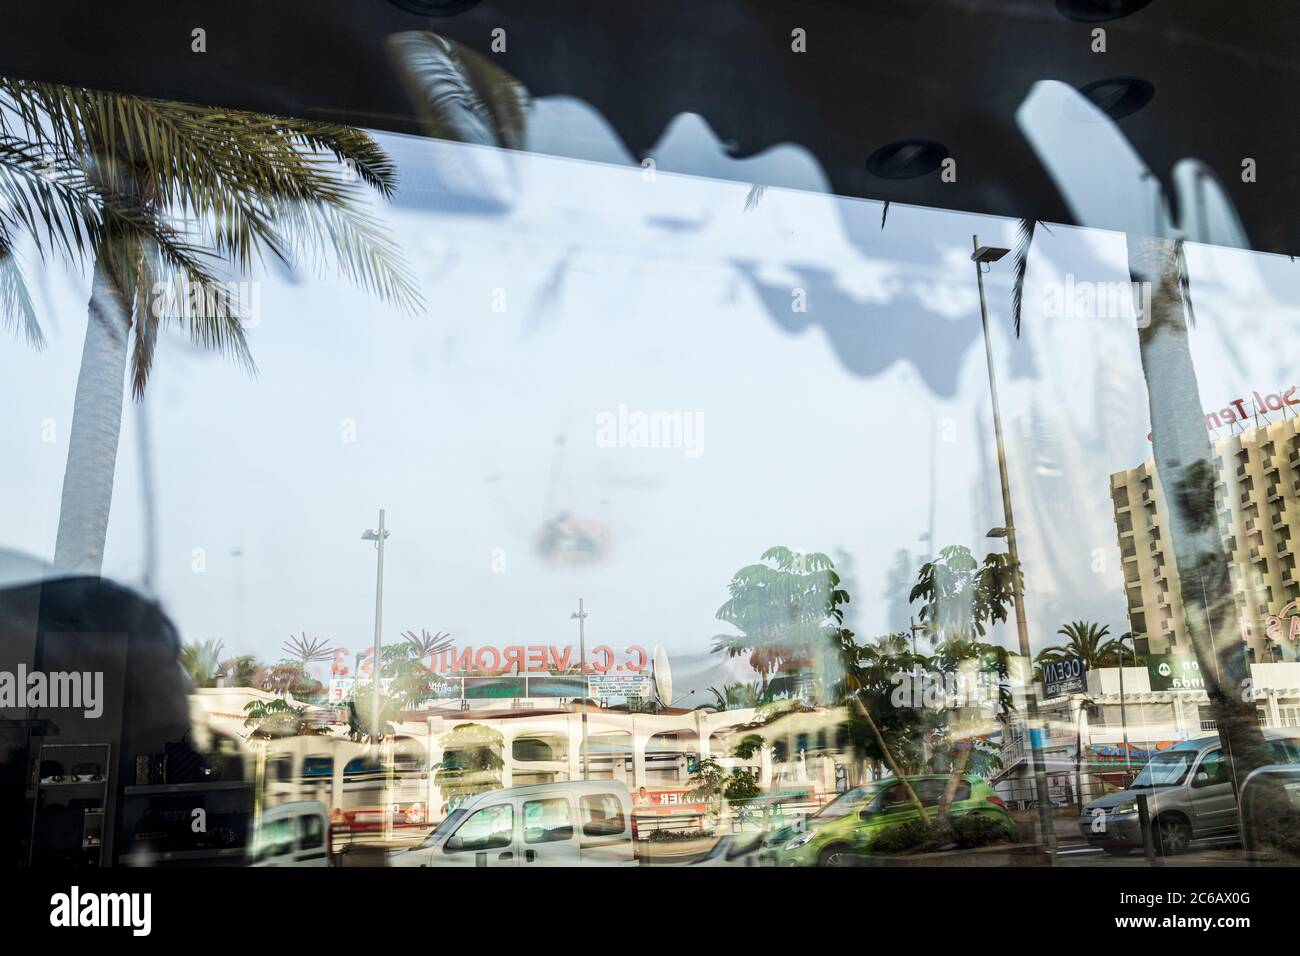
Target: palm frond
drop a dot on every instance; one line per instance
(16, 309)
(884, 211)
(754, 196)
(1185, 281)
(180, 189)
(459, 94)
(1024, 237)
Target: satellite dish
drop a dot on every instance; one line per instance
(663, 676)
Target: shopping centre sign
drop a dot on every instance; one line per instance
(517, 659)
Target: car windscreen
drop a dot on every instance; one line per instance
(845, 803)
(1165, 770)
(445, 827)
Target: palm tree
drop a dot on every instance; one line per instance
(181, 192)
(1186, 470)
(1086, 641)
(737, 695)
(202, 662)
(427, 645)
(306, 649)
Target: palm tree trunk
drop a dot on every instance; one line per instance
(889, 760)
(93, 437)
(1188, 474)
(955, 774)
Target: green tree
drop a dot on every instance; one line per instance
(291, 677)
(362, 721)
(961, 598)
(707, 785)
(789, 613)
(878, 727)
(1084, 640)
(471, 763)
(244, 670)
(749, 745)
(278, 718)
(202, 662)
(740, 787)
(738, 695)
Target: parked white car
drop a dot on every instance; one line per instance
(580, 823)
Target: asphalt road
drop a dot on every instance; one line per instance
(1202, 853)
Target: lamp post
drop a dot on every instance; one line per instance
(580, 615)
(980, 256)
(1084, 704)
(377, 535)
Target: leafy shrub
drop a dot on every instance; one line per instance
(900, 837)
(674, 836)
(971, 830)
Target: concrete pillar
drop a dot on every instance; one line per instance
(1178, 719)
(765, 766)
(508, 760)
(640, 740)
(1274, 714)
(573, 725)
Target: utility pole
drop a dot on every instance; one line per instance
(581, 616)
(980, 256)
(377, 535)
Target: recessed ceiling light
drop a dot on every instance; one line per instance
(1119, 96)
(907, 159)
(436, 8)
(1097, 11)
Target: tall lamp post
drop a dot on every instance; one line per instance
(580, 615)
(981, 256)
(377, 535)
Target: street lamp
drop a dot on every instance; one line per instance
(580, 615)
(377, 535)
(981, 256)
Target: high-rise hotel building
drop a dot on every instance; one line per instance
(1259, 518)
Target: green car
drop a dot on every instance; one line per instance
(850, 823)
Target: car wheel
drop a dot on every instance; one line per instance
(1118, 850)
(837, 854)
(1172, 836)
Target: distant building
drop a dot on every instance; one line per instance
(1259, 516)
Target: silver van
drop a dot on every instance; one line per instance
(292, 834)
(579, 823)
(1190, 796)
